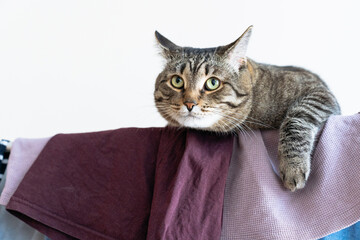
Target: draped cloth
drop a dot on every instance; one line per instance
(256, 206)
(165, 183)
(156, 183)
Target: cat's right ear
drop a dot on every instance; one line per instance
(168, 48)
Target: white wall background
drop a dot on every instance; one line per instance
(89, 65)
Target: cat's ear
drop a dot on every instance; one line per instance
(235, 53)
(168, 48)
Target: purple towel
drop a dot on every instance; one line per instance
(170, 185)
(257, 206)
(157, 183)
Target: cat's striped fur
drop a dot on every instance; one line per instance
(248, 95)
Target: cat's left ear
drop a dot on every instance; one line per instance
(235, 53)
(168, 48)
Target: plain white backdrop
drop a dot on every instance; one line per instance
(89, 65)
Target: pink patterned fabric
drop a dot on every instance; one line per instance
(256, 205)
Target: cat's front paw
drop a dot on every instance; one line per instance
(294, 173)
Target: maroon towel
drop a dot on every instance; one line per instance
(155, 183)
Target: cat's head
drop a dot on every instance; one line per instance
(205, 88)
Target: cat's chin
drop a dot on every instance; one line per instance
(203, 122)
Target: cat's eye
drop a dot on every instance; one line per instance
(212, 84)
(177, 82)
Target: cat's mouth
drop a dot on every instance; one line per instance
(194, 120)
(192, 115)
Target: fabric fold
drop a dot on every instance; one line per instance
(164, 183)
(127, 184)
(189, 186)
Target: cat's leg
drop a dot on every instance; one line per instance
(297, 135)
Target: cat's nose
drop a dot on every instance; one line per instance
(190, 105)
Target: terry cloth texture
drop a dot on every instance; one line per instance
(157, 183)
(256, 206)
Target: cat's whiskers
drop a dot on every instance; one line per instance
(254, 121)
(167, 113)
(249, 130)
(230, 122)
(227, 128)
(241, 125)
(167, 107)
(258, 122)
(235, 124)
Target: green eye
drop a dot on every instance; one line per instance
(177, 82)
(212, 84)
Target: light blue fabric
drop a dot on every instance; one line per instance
(350, 233)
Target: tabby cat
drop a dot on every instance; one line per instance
(221, 90)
